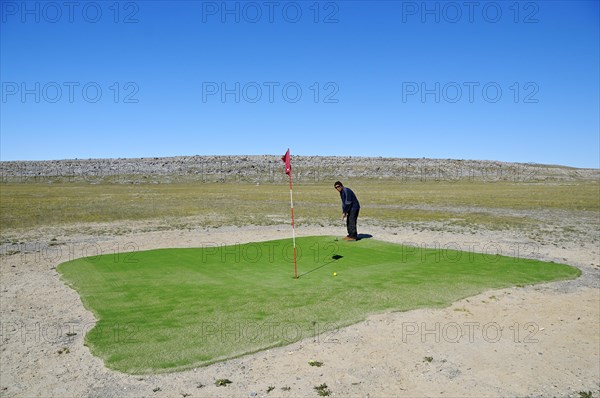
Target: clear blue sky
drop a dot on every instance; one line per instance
(501, 80)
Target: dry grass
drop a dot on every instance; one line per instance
(32, 205)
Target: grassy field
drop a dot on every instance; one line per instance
(30, 205)
(174, 309)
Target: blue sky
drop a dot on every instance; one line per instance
(498, 80)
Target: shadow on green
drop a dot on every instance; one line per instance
(174, 309)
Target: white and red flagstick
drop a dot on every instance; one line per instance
(288, 170)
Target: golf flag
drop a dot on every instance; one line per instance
(286, 159)
(288, 170)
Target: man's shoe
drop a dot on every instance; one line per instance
(351, 238)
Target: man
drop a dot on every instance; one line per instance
(350, 209)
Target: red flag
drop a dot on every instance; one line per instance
(286, 159)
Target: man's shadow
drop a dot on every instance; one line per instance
(335, 257)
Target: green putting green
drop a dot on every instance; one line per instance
(174, 309)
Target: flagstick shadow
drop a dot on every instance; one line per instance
(335, 257)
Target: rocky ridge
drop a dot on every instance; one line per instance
(269, 168)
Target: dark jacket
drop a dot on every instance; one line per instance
(349, 200)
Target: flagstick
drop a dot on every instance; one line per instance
(293, 228)
(288, 171)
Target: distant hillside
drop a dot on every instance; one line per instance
(269, 168)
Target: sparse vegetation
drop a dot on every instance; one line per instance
(460, 204)
(464, 310)
(222, 382)
(323, 390)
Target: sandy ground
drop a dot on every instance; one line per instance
(541, 340)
